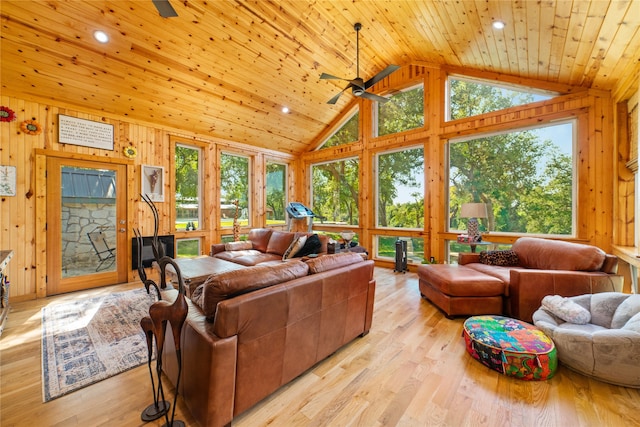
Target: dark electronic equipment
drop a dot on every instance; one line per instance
(401, 256)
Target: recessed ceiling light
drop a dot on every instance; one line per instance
(285, 110)
(498, 25)
(101, 36)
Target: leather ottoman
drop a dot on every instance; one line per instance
(458, 290)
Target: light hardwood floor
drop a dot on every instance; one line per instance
(410, 370)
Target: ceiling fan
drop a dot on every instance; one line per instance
(164, 8)
(358, 86)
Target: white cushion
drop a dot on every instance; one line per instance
(294, 247)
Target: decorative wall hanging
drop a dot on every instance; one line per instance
(7, 114)
(31, 127)
(130, 152)
(72, 130)
(152, 180)
(7, 180)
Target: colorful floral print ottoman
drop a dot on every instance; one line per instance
(511, 347)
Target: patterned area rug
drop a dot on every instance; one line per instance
(86, 341)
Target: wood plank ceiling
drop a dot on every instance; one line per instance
(226, 68)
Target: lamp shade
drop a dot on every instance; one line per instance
(473, 210)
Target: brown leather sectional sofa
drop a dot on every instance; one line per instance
(262, 245)
(544, 267)
(240, 347)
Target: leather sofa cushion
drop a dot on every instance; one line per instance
(260, 238)
(279, 242)
(219, 287)
(545, 254)
(248, 258)
(330, 262)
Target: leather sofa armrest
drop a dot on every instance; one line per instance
(468, 258)
(610, 264)
(528, 287)
(208, 367)
(216, 249)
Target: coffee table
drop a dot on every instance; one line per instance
(196, 270)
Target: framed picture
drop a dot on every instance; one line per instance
(7, 180)
(152, 182)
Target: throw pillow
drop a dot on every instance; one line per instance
(238, 246)
(311, 246)
(506, 258)
(566, 309)
(294, 247)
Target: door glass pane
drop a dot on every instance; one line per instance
(88, 216)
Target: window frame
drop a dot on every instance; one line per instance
(250, 161)
(375, 111)
(201, 201)
(375, 176)
(311, 165)
(285, 185)
(574, 184)
(501, 85)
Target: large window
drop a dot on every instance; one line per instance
(469, 97)
(188, 163)
(525, 177)
(400, 188)
(404, 111)
(234, 186)
(276, 193)
(335, 187)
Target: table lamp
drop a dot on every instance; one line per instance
(473, 211)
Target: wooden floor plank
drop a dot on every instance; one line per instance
(412, 369)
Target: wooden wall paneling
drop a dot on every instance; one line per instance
(40, 240)
(623, 192)
(257, 190)
(586, 197)
(604, 179)
(434, 155)
(368, 201)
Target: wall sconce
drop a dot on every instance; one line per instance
(473, 211)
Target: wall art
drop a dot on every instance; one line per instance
(152, 180)
(7, 180)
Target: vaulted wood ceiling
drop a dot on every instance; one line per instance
(226, 68)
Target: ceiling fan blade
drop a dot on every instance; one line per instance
(381, 75)
(335, 98)
(374, 97)
(329, 76)
(164, 8)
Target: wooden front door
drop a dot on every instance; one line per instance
(86, 224)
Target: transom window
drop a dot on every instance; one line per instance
(404, 111)
(470, 97)
(346, 134)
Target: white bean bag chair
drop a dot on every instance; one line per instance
(596, 334)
